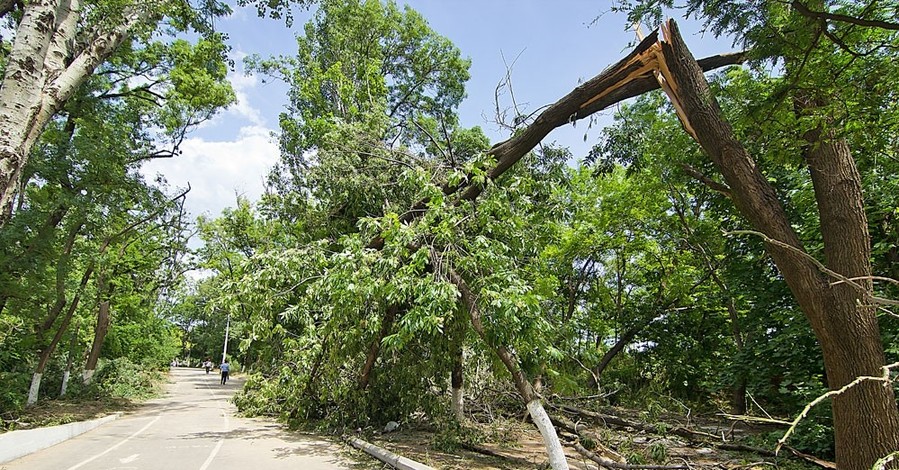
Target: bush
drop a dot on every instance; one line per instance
(121, 378)
(12, 384)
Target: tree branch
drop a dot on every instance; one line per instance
(632, 76)
(712, 184)
(824, 269)
(804, 10)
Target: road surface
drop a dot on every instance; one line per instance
(192, 428)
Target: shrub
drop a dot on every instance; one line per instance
(121, 378)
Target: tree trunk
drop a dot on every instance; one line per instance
(99, 336)
(457, 382)
(619, 346)
(386, 325)
(69, 361)
(866, 419)
(535, 408)
(738, 388)
(43, 72)
(313, 374)
(45, 353)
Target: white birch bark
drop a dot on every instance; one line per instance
(37, 82)
(35, 388)
(22, 81)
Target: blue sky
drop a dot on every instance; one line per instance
(557, 45)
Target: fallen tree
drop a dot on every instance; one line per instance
(628, 78)
(836, 296)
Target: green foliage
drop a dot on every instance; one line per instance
(657, 452)
(452, 436)
(151, 344)
(121, 378)
(12, 383)
(88, 227)
(564, 261)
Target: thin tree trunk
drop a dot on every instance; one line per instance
(62, 271)
(69, 361)
(52, 315)
(619, 346)
(738, 388)
(866, 419)
(45, 353)
(386, 325)
(313, 374)
(456, 380)
(535, 408)
(100, 331)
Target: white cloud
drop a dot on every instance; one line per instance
(219, 170)
(241, 83)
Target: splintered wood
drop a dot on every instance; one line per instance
(649, 61)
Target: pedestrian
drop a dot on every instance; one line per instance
(207, 364)
(225, 370)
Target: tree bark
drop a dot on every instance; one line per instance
(69, 361)
(866, 419)
(456, 380)
(535, 408)
(374, 349)
(99, 336)
(43, 72)
(619, 346)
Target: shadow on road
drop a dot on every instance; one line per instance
(299, 444)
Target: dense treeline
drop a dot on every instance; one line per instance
(391, 272)
(90, 248)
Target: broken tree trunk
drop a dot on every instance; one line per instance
(842, 314)
(612, 420)
(580, 431)
(626, 79)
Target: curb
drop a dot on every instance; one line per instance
(384, 455)
(15, 444)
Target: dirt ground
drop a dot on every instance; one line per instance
(56, 412)
(521, 447)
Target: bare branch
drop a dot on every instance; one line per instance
(712, 184)
(885, 378)
(824, 269)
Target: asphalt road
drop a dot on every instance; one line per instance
(192, 428)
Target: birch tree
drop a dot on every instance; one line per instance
(56, 47)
